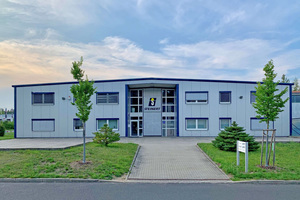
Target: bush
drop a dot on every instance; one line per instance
(8, 125)
(226, 140)
(106, 135)
(2, 130)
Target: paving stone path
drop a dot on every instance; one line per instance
(173, 160)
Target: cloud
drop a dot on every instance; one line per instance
(47, 60)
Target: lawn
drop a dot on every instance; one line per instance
(106, 162)
(8, 136)
(287, 163)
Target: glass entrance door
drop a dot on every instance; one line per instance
(136, 128)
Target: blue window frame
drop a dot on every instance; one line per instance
(252, 96)
(196, 97)
(225, 97)
(111, 122)
(196, 123)
(256, 126)
(107, 97)
(43, 125)
(42, 98)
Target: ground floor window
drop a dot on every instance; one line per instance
(255, 125)
(112, 123)
(196, 123)
(224, 122)
(43, 125)
(77, 125)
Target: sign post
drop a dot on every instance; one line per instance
(242, 147)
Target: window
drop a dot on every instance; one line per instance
(252, 96)
(107, 97)
(43, 98)
(43, 125)
(224, 122)
(196, 124)
(196, 97)
(225, 97)
(168, 100)
(112, 123)
(296, 98)
(77, 125)
(136, 101)
(255, 125)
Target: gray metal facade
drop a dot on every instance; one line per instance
(170, 115)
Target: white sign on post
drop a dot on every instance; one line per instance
(242, 147)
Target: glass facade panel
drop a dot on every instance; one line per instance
(37, 98)
(202, 123)
(48, 98)
(225, 97)
(224, 123)
(113, 123)
(252, 97)
(101, 123)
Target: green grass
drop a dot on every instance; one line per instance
(287, 163)
(106, 162)
(7, 136)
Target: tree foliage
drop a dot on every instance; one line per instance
(269, 103)
(82, 92)
(296, 86)
(2, 129)
(284, 79)
(106, 135)
(227, 139)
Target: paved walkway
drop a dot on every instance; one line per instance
(172, 159)
(41, 143)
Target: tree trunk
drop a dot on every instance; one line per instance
(83, 161)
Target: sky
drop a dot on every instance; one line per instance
(199, 39)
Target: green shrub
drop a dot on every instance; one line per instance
(8, 125)
(106, 135)
(2, 129)
(226, 140)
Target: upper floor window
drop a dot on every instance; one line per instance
(43, 98)
(107, 97)
(196, 97)
(252, 96)
(225, 97)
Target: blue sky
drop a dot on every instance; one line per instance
(230, 40)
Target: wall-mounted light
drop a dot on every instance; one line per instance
(63, 98)
(241, 97)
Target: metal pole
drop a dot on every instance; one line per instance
(274, 149)
(246, 158)
(262, 147)
(267, 148)
(83, 161)
(237, 154)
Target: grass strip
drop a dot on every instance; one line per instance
(104, 162)
(287, 163)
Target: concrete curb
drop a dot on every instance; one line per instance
(133, 161)
(75, 180)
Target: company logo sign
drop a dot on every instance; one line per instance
(152, 101)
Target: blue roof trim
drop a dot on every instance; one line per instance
(145, 79)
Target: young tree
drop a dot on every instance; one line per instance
(268, 104)
(296, 86)
(82, 93)
(284, 79)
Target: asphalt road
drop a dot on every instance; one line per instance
(141, 191)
